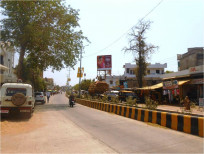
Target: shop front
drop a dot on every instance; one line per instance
(173, 91)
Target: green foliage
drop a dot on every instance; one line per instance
(140, 49)
(46, 31)
(115, 100)
(150, 104)
(168, 71)
(105, 99)
(33, 76)
(131, 102)
(84, 85)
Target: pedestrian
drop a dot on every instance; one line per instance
(187, 103)
(48, 96)
(71, 100)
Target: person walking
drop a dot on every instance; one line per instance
(48, 96)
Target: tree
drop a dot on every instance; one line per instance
(33, 75)
(44, 30)
(169, 72)
(140, 48)
(85, 84)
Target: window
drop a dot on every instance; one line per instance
(131, 71)
(127, 70)
(111, 82)
(158, 71)
(13, 91)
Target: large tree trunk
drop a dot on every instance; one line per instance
(140, 71)
(20, 63)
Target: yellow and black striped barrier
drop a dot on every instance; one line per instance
(185, 123)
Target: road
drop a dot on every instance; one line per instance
(57, 128)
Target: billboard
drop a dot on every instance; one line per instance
(104, 62)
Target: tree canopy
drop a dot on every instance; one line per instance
(140, 48)
(46, 31)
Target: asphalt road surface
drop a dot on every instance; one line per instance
(57, 128)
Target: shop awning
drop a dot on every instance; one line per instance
(183, 82)
(159, 85)
(2, 67)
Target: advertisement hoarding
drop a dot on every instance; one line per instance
(104, 62)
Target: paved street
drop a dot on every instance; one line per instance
(57, 128)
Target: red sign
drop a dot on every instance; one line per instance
(104, 62)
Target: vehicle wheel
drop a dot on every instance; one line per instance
(43, 102)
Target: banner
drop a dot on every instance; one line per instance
(170, 84)
(104, 62)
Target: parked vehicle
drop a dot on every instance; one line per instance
(17, 98)
(112, 94)
(39, 97)
(124, 94)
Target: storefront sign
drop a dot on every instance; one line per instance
(170, 84)
(197, 81)
(196, 69)
(201, 102)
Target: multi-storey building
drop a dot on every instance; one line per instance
(7, 63)
(191, 70)
(192, 58)
(154, 72)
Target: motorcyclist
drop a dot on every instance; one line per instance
(71, 100)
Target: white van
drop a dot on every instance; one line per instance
(17, 98)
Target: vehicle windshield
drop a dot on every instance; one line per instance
(13, 91)
(38, 93)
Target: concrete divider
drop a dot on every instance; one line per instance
(185, 123)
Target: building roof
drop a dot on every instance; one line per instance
(2, 67)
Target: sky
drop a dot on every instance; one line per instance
(176, 26)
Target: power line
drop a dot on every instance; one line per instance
(126, 31)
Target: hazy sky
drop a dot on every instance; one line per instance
(177, 25)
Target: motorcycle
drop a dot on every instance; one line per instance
(72, 103)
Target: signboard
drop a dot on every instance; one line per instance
(197, 81)
(104, 62)
(170, 84)
(78, 73)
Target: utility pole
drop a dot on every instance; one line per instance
(80, 75)
(80, 72)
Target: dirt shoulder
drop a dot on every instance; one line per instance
(47, 131)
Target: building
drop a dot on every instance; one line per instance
(114, 81)
(7, 63)
(194, 57)
(154, 72)
(190, 77)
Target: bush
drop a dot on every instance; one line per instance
(115, 100)
(150, 104)
(105, 99)
(131, 101)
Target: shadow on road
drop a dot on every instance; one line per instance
(52, 107)
(15, 118)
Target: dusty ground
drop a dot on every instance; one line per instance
(47, 131)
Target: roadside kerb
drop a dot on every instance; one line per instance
(185, 123)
